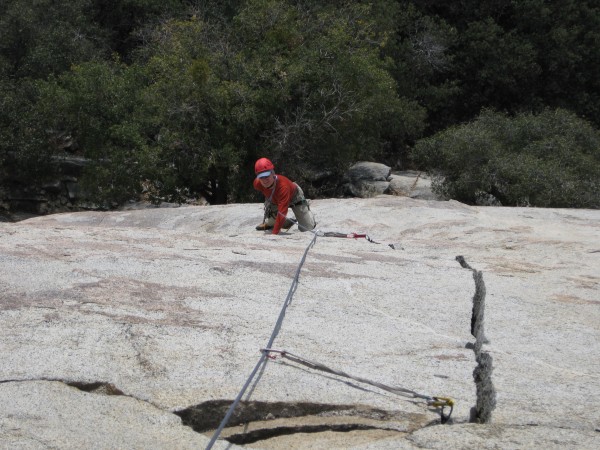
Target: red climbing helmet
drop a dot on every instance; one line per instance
(262, 166)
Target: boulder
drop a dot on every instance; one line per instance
(367, 179)
(367, 188)
(62, 193)
(413, 184)
(369, 171)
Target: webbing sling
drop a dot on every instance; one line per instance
(438, 402)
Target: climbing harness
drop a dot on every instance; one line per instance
(433, 401)
(268, 212)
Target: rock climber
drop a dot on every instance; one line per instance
(280, 194)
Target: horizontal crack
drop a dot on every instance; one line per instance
(207, 416)
(268, 433)
(97, 387)
(253, 421)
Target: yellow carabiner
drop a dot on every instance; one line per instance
(442, 401)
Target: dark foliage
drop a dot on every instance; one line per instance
(178, 98)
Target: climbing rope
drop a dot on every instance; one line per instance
(434, 401)
(263, 358)
(355, 236)
(337, 234)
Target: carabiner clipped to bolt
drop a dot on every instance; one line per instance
(442, 402)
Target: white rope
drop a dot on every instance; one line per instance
(263, 358)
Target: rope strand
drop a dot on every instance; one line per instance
(263, 357)
(438, 402)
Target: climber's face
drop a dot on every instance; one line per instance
(267, 182)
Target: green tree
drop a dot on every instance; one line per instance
(522, 56)
(420, 48)
(44, 37)
(194, 111)
(24, 147)
(326, 96)
(551, 160)
(95, 106)
(184, 96)
(301, 83)
(126, 22)
(566, 36)
(498, 68)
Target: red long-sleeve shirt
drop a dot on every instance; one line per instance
(285, 189)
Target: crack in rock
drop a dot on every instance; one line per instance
(254, 421)
(96, 387)
(249, 437)
(482, 374)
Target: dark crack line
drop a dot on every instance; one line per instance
(91, 387)
(269, 433)
(482, 374)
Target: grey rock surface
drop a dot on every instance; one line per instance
(368, 179)
(370, 171)
(112, 325)
(411, 183)
(50, 414)
(367, 188)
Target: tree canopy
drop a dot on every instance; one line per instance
(180, 97)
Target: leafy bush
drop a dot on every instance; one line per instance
(326, 95)
(549, 160)
(96, 106)
(184, 96)
(44, 37)
(26, 152)
(301, 83)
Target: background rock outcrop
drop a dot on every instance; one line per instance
(369, 179)
(137, 329)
